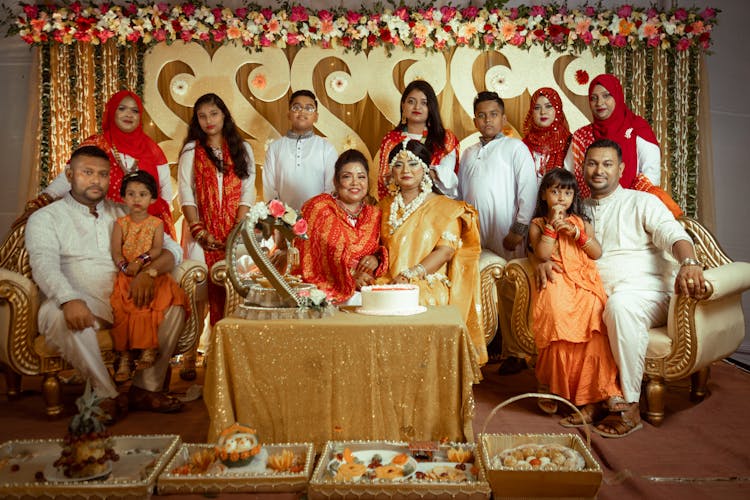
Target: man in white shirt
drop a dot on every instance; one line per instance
(299, 165)
(69, 251)
(497, 176)
(640, 242)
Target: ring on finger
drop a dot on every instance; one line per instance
(690, 281)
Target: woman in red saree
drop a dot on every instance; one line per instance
(546, 131)
(420, 120)
(129, 149)
(343, 251)
(216, 177)
(615, 121)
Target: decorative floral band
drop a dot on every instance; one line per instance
(552, 26)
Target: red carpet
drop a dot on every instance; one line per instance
(700, 451)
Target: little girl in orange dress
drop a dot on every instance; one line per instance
(137, 239)
(574, 358)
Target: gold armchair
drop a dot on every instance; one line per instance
(697, 333)
(23, 351)
(491, 272)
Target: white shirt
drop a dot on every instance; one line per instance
(69, 252)
(60, 185)
(295, 170)
(499, 179)
(637, 232)
(186, 178)
(649, 160)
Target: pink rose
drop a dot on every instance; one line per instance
(680, 14)
(683, 44)
(590, 11)
(188, 9)
(448, 13)
(538, 10)
(469, 13)
(352, 17)
(31, 11)
(299, 14)
(625, 10)
(267, 13)
(276, 208)
(300, 227)
(708, 13)
(160, 35)
(402, 13)
(162, 7)
(241, 12)
(325, 15)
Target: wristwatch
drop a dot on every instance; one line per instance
(689, 261)
(152, 272)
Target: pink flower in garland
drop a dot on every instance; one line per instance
(267, 13)
(353, 17)
(160, 35)
(448, 13)
(188, 9)
(653, 42)
(680, 14)
(469, 13)
(241, 12)
(292, 38)
(325, 15)
(683, 44)
(299, 14)
(513, 13)
(708, 13)
(586, 37)
(538, 10)
(402, 13)
(619, 41)
(131, 9)
(219, 35)
(625, 10)
(162, 7)
(31, 11)
(590, 11)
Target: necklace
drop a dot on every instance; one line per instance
(352, 214)
(422, 139)
(406, 210)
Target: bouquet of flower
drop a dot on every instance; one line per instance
(277, 215)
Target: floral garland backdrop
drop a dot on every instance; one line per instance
(88, 51)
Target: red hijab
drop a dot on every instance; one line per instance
(623, 126)
(552, 140)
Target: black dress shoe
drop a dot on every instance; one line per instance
(510, 366)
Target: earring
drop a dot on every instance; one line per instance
(403, 120)
(393, 188)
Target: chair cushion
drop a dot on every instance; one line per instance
(659, 343)
(45, 349)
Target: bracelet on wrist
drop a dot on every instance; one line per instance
(549, 231)
(144, 258)
(122, 265)
(689, 261)
(581, 238)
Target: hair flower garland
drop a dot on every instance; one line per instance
(552, 26)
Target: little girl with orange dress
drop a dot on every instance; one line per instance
(574, 358)
(137, 239)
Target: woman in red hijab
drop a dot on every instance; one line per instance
(546, 131)
(129, 149)
(615, 121)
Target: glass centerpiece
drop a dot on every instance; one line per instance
(260, 255)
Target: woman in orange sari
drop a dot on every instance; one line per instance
(421, 121)
(129, 149)
(343, 251)
(546, 131)
(216, 175)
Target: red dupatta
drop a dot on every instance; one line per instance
(218, 216)
(147, 154)
(551, 141)
(397, 136)
(335, 247)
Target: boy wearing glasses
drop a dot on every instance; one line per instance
(299, 165)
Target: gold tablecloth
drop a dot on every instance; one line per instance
(345, 377)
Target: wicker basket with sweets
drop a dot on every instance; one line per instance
(539, 465)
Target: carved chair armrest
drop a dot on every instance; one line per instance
(710, 328)
(19, 304)
(192, 278)
(519, 276)
(491, 268)
(220, 276)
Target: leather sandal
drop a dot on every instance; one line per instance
(591, 413)
(619, 425)
(141, 399)
(147, 359)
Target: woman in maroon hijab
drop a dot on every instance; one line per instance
(615, 121)
(546, 131)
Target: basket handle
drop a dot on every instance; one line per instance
(538, 395)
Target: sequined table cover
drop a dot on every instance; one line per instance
(345, 377)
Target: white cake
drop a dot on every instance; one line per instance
(390, 299)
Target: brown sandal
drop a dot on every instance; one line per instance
(621, 424)
(591, 413)
(141, 399)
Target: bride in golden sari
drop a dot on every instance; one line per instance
(432, 240)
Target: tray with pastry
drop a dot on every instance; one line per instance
(392, 469)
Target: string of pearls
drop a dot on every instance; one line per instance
(397, 205)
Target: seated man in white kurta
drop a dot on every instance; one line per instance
(637, 234)
(69, 251)
(498, 177)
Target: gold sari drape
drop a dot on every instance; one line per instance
(441, 220)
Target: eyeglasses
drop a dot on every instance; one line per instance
(298, 108)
